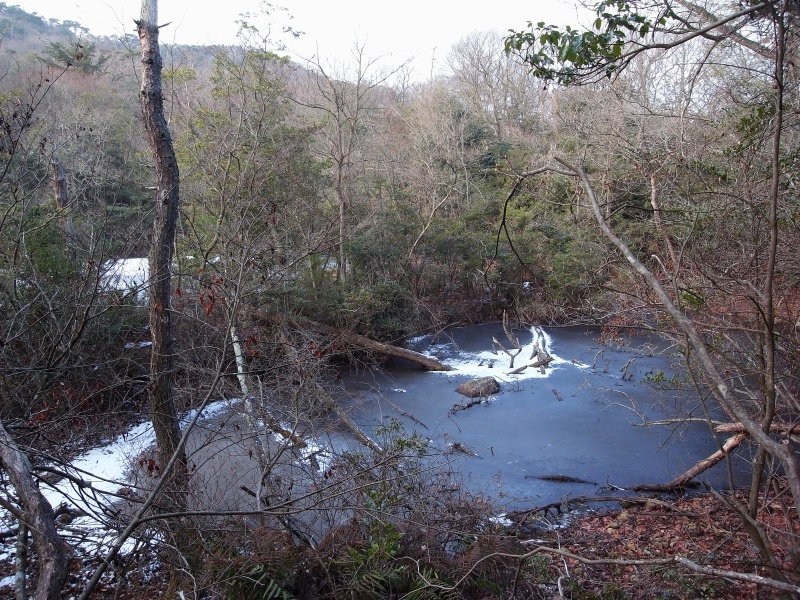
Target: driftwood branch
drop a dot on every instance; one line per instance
(333, 406)
(517, 347)
(785, 429)
(520, 516)
(542, 362)
(459, 407)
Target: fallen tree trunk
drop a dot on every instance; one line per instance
(519, 517)
(386, 349)
(684, 479)
(790, 430)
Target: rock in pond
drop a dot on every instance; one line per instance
(475, 388)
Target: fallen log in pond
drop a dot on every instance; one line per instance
(381, 348)
(561, 479)
(408, 415)
(519, 517)
(542, 362)
(685, 479)
(459, 447)
(789, 431)
(459, 407)
(333, 406)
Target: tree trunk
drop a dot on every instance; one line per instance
(768, 306)
(61, 195)
(656, 204)
(263, 413)
(162, 404)
(785, 454)
(21, 564)
(51, 553)
(59, 185)
(163, 413)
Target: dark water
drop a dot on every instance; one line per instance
(525, 431)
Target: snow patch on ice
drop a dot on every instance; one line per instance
(501, 520)
(496, 363)
(132, 345)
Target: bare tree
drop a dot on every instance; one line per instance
(348, 99)
(494, 85)
(163, 412)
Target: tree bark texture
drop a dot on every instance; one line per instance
(164, 416)
(59, 184)
(51, 552)
(61, 195)
(162, 404)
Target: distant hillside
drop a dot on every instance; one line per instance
(54, 42)
(17, 24)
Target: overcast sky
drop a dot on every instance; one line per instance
(424, 29)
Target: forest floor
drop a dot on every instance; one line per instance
(701, 528)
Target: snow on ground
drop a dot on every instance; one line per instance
(494, 363)
(104, 468)
(103, 471)
(127, 275)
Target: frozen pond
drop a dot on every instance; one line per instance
(578, 421)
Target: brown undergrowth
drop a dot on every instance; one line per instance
(703, 529)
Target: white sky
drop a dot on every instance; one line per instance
(422, 29)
